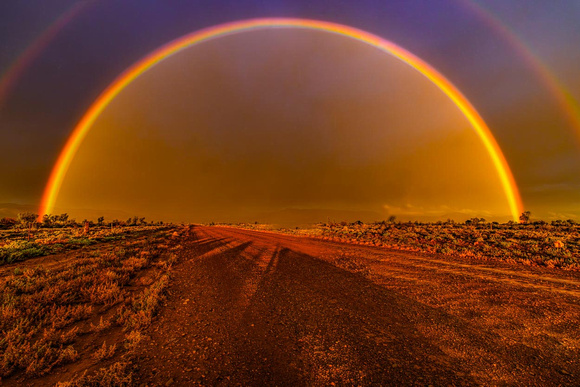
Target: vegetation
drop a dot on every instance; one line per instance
(89, 309)
(555, 244)
(91, 306)
(26, 237)
(27, 220)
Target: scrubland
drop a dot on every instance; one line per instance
(79, 310)
(77, 303)
(555, 244)
(21, 244)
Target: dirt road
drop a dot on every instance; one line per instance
(254, 308)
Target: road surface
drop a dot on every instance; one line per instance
(254, 308)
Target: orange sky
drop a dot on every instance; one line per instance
(247, 126)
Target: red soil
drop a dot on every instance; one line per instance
(254, 308)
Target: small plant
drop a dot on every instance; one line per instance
(525, 217)
(105, 352)
(132, 340)
(537, 243)
(118, 374)
(41, 309)
(101, 326)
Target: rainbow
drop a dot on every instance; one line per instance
(20, 65)
(75, 139)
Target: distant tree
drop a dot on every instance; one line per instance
(47, 220)
(8, 222)
(28, 219)
(474, 221)
(101, 220)
(392, 219)
(134, 221)
(62, 219)
(525, 217)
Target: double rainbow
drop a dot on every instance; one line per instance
(75, 139)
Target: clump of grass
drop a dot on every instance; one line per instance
(101, 326)
(40, 309)
(117, 374)
(21, 250)
(81, 241)
(132, 340)
(106, 293)
(44, 358)
(52, 241)
(105, 352)
(133, 319)
(144, 308)
(553, 244)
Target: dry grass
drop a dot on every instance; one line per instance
(44, 313)
(105, 352)
(132, 340)
(15, 246)
(101, 326)
(555, 244)
(143, 309)
(116, 375)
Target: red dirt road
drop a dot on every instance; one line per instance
(254, 308)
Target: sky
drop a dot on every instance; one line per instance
(291, 125)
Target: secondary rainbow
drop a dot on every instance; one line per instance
(11, 77)
(75, 139)
(561, 94)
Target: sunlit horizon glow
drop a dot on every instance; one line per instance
(80, 131)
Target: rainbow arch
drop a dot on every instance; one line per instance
(80, 131)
